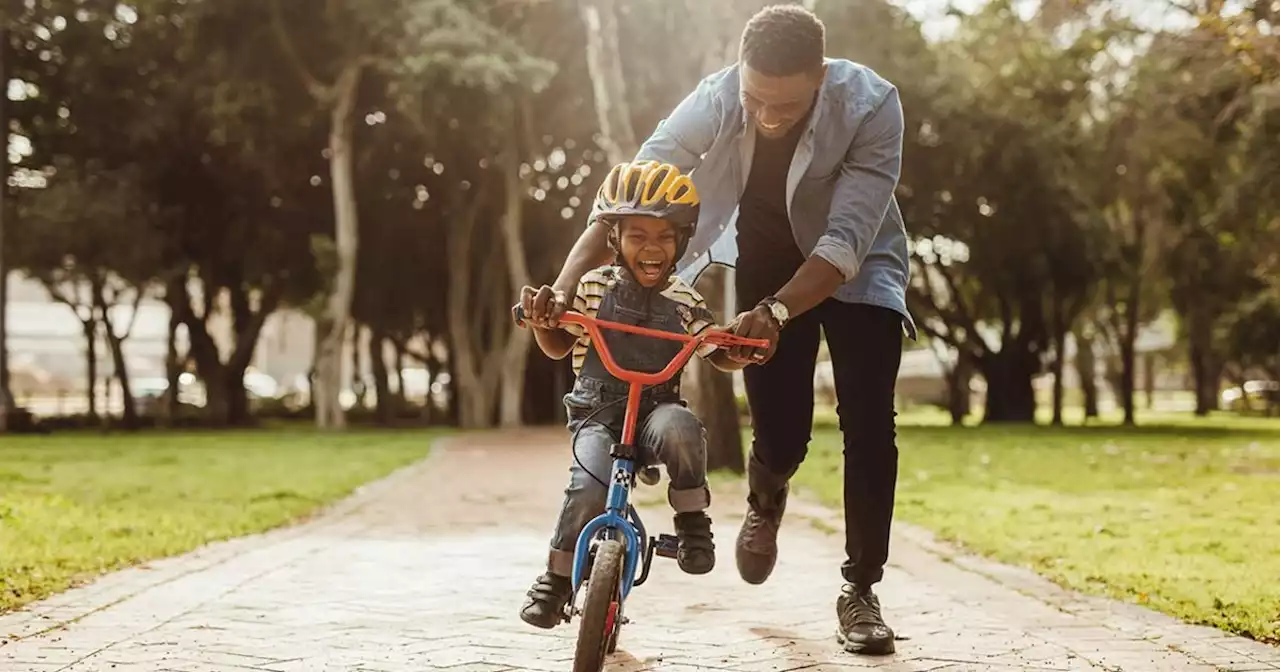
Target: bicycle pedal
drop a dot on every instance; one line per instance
(667, 545)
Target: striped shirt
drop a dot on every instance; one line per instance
(691, 307)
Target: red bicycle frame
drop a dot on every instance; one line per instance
(637, 379)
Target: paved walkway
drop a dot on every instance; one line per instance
(426, 571)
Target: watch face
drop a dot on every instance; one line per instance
(779, 311)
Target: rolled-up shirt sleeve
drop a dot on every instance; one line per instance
(864, 188)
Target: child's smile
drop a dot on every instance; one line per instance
(648, 248)
(652, 271)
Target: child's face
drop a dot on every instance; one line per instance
(648, 247)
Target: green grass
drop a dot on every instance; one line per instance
(74, 506)
(1184, 518)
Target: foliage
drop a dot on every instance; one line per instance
(1064, 171)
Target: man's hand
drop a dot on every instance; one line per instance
(543, 306)
(755, 323)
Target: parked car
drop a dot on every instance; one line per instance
(1253, 396)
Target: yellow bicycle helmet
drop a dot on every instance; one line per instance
(649, 189)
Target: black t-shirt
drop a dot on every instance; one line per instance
(767, 252)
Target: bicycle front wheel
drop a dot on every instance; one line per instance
(601, 608)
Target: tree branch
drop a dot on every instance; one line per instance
(1006, 318)
(59, 295)
(317, 90)
(948, 336)
(962, 313)
(247, 333)
(402, 345)
(133, 315)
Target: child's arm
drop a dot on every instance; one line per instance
(700, 320)
(554, 343)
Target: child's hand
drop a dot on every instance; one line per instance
(543, 306)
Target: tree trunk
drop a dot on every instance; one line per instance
(1128, 340)
(515, 365)
(1010, 395)
(604, 65)
(475, 365)
(227, 403)
(1087, 369)
(1127, 377)
(172, 372)
(90, 330)
(116, 345)
(384, 401)
(358, 386)
(115, 341)
(398, 360)
(1149, 379)
(1206, 371)
(515, 357)
(237, 398)
(958, 379)
(216, 404)
(346, 226)
(327, 370)
(711, 394)
(1059, 362)
(434, 367)
(7, 405)
(1207, 380)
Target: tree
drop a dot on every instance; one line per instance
(1007, 249)
(89, 239)
(1252, 335)
(349, 52)
(462, 53)
(6, 396)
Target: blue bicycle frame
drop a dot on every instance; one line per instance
(619, 515)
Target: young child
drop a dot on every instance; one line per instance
(654, 210)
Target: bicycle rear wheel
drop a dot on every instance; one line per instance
(597, 635)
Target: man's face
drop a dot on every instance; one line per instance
(649, 247)
(777, 104)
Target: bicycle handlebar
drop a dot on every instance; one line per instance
(594, 327)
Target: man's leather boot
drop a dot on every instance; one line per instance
(756, 550)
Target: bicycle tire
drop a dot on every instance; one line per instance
(601, 608)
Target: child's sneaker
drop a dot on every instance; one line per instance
(697, 554)
(545, 606)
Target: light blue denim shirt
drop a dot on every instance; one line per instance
(839, 188)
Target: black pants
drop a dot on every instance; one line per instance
(865, 343)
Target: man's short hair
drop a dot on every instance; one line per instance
(783, 40)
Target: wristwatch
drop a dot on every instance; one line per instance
(777, 309)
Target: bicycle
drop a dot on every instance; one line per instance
(614, 544)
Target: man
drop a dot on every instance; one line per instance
(807, 151)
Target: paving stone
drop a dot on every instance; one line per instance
(427, 569)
